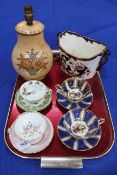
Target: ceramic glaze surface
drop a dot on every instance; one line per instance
(77, 144)
(34, 106)
(74, 93)
(79, 47)
(81, 123)
(32, 147)
(79, 128)
(30, 126)
(32, 58)
(33, 91)
(80, 56)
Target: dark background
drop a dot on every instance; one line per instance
(95, 19)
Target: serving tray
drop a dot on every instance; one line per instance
(56, 154)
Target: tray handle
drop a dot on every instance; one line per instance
(61, 162)
(104, 59)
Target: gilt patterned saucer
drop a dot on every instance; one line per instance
(35, 106)
(81, 123)
(77, 144)
(74, 93)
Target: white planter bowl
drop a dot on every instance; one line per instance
(81, 56)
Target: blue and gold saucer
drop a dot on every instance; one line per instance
(81, 123)
(77, 144)
(74, 93)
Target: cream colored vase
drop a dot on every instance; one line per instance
(31, 57)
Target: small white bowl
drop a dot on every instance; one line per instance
(33, 91)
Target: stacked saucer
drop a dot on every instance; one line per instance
(80, 130)
(74, 93)
(31, 132)
(33, 96)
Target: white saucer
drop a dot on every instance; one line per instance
(30, 147)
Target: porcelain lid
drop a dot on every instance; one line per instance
(25, 29)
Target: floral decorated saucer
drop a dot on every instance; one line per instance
(75, 143)
(82, 123)
(35, 106)
(33, 91)
(74, 93)
(30, 147)
(30, 126)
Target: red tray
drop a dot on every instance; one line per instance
(55, 111)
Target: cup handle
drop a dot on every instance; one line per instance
(101, 121)
(104, 59)
(59, 87)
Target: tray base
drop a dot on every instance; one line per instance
(54, 112)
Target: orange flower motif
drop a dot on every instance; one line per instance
(37, 64)
(25, 63)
